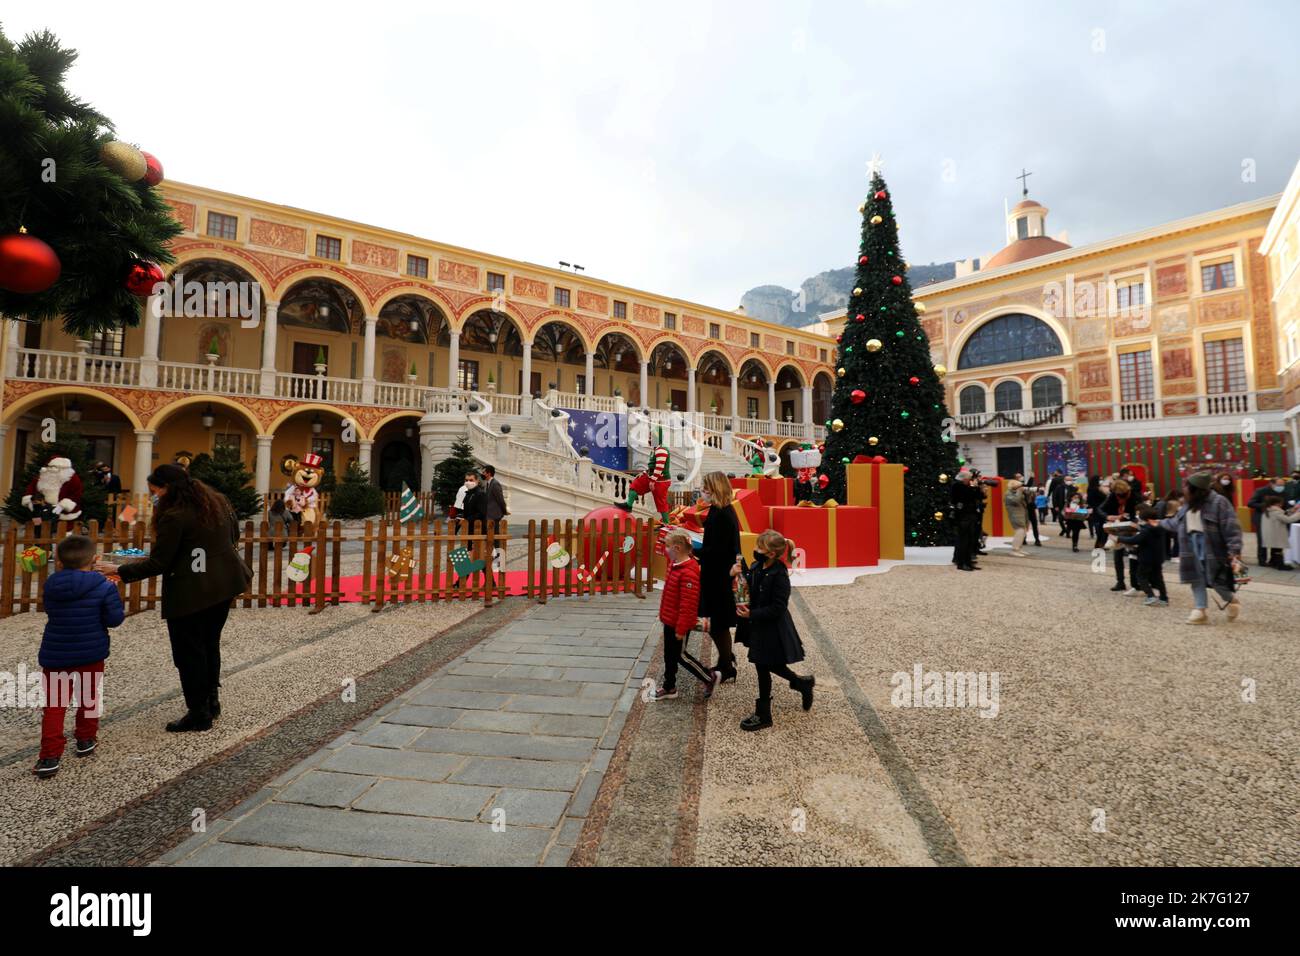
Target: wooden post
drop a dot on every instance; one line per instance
(380, 563)
(8, 562)
(438, 593)
(318, 566)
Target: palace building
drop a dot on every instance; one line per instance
(284, 327)
(1159, 349)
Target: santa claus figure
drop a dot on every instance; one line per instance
(59, 483)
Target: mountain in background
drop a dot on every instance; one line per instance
(825, 292)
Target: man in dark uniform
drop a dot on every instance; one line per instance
(966, 505)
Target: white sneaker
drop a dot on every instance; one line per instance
(1196, 617)
(1131, 591)
(1233, 610)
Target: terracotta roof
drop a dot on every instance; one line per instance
(1026, 204)
(1023, 249)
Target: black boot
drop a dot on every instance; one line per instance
(761, 717)
(192, 721)
(214, 704)
(804, 685)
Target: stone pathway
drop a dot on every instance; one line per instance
(494, 760)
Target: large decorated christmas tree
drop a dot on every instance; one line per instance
(888, 401)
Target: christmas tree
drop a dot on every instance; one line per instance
(354, 496)
(224, 470)
(70, 445)
(450, 473)
(92, 217)
(888, 401)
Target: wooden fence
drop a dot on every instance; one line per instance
(144, 508)
(626, 569)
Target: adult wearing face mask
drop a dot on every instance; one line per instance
(718, 553)
(1291, 492)
(1256, 506)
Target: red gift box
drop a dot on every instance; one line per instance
(751, 513)
(773, 492)
(847, 536)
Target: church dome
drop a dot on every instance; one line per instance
(1023, 249)
(1027, 236)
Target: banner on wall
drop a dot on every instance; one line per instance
(603, 433)
(1070, 458)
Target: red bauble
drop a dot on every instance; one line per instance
(27, 265)
(881, 194)
(823, 481)
(897, 280)
(153, 171)
(621, 525)
(142, 277)
(839, 338)
(914, 380)
(862, 260)
(906, 469)
(859, 318)
(858, 396)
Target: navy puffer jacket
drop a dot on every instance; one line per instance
(80, 607)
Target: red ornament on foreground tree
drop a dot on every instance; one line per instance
(27, 265)
(142, 276)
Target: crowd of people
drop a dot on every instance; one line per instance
(1197, 524)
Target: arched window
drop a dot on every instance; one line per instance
(1007, 397)
(1009, 338)
(1046, 392)
(973, 400)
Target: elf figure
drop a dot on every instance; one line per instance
(805, 462)
(756, 463)
(654, 479)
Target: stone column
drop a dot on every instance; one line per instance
(525, 385)
(368, 362)
(771, 402)
(427, 428)
(266, 385)
(4, 435)
(152, 332)
(690, 393)
(590, 388)
(735, 403)
(262, 474)
(365, 446)
(143, 460)
(807, 412)
(645, 384)
(453, 358)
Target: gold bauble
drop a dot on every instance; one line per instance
(862, 207)
(838, 425)
(941, 370)
(857, 290)
(873, 440)
(943, 479)
(876, 220)
(920, 308)
(873, 345)
(124, 159)
(938, 516)
(840, 372)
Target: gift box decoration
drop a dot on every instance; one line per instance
(773, 492)
(32, 559)
(833, 537)
(996, 521)
(870, 485)
(751, 513)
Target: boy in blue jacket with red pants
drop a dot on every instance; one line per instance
(679, 610)
(80, 606)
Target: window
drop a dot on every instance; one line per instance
(1009, 338)
(1022, 227)
(620, 310)
(329, 248)
(972, 400)
(1218, 275)
(496, 282)
(417, 266)
(325, 448)
(107, 342)
(562, 297)
(715, 330)
(1008, 397)
(753, 340)
(1131, 294)
(1135, 380)
(821, 356)
(580, 384)
(1225, 366)
(789, 347)
(670, 320)
(751, 407)
(232, 440)
(221, 226)
(1046, 392)
(467, 375)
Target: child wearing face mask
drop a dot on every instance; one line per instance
(768, 629)
(679, 612)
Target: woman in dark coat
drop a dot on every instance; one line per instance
(1093, 500)
(1209, 543)
(717, 555)
(1120, 505)
(767, 628)
(194, 535)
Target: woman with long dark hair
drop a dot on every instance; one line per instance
(1093, 500)
(1209, 544)
(194, 535)
(718, 553)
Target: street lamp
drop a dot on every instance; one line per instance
(74, 412)
(316, 424)
(207, 418)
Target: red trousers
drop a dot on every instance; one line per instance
(643, 484)
(88, 683)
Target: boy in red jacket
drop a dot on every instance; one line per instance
(679, 611)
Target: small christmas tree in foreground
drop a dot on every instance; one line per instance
(354, 496)
(224, 470)
(888, 401)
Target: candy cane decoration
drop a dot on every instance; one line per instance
(586, 576)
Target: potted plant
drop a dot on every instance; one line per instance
(491, 382)
(412, 374)
(214, 351)
(320, 360)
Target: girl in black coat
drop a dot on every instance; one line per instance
(717, 554)
(766, 626)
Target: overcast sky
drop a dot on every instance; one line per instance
(699, 149)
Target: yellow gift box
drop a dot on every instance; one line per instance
(881, 487)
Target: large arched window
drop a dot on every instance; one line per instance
(1007, 397)
(973, 400)
(1046, 392)
(1009, 338)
